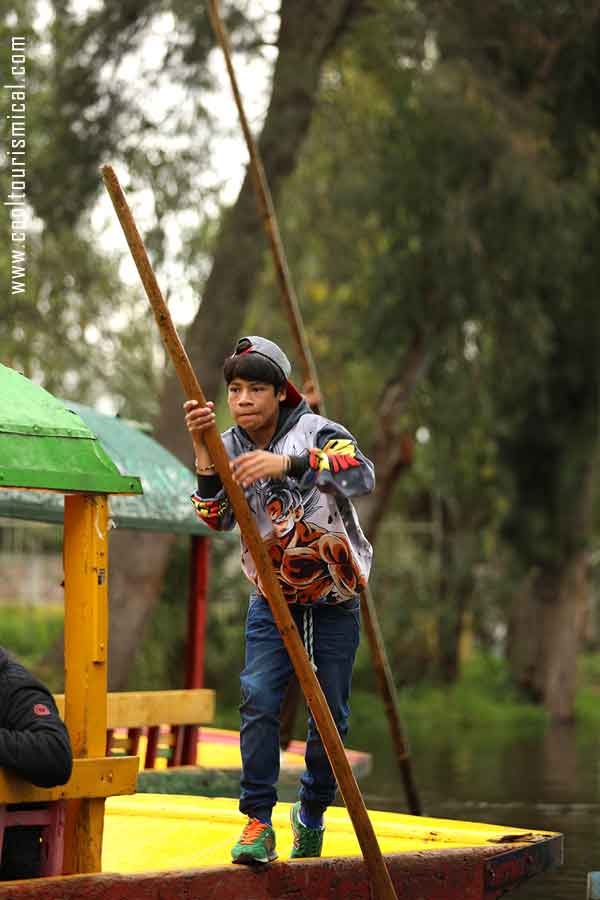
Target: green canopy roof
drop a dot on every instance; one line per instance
(45, 445)
(167, 484)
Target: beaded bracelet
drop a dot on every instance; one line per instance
(202, 470)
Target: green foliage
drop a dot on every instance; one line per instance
(587, 705)
(482, 699)
(28, 632)
(484, 693)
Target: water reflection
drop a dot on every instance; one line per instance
(547, 781)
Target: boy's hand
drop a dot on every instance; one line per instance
(199, 419)
(249, 467)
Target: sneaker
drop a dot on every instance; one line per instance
(307, 841)
(256, 844)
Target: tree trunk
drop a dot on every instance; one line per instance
(454, 593)
(544, 636)
(393, 448)
(138, 561)
(308, 32)
(557, 598)
(523, 640)
(546, 628)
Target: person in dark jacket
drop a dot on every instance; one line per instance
(35, 745)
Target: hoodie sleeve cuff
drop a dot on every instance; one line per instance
(209, 485)
(298, 466)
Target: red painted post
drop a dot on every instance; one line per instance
(133, 741)
(196, 634)
(197, 604)
(3, 816)
(153, 737)
(176, 757)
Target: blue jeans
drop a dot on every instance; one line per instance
(336, 631)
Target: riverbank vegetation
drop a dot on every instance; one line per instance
(484, 696)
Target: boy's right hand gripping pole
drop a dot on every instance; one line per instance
(383, 888)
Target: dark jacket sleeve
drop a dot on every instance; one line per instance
(34, 742)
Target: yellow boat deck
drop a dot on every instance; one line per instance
(150, 832)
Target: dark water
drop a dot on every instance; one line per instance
(546, 782)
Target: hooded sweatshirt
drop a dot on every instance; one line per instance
(34, 742)
(308, 523)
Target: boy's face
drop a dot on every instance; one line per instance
(253, 404)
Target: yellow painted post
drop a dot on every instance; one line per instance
(86, 637)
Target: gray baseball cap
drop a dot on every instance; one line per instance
(271, 351)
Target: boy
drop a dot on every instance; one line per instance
(298, 471)
(35, 744)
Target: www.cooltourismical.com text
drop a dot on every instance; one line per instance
(16, 153)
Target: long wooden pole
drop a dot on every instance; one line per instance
(269, 218)
(380, 877)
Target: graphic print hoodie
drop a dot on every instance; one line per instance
(309, 525)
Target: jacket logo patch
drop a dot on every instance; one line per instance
(40, 709)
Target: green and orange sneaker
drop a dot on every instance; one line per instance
(308, 842)
(256, 844)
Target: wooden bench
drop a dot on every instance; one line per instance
(145, 711)
(91, 778)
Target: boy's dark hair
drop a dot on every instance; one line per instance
(254, 367)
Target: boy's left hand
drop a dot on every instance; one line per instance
(249, 467)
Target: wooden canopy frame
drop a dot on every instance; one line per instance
(52, 456)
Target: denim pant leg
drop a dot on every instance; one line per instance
(336, 634)
(263, 682)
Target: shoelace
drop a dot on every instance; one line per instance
(253, 829)
(307, 625)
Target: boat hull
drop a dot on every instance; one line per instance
(478, 873)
